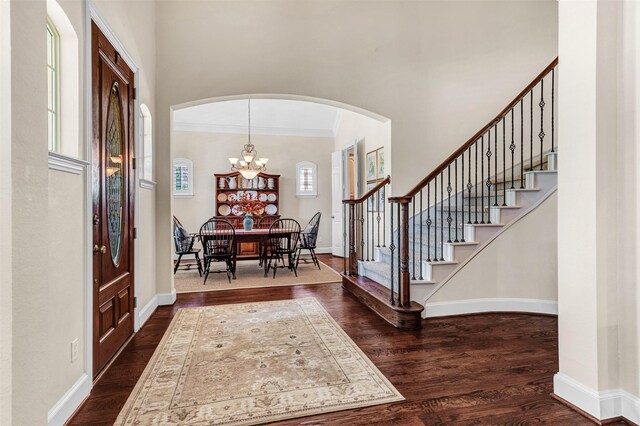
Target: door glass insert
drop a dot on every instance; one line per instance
(114, 185)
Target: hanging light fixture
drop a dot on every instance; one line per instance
(249, 165)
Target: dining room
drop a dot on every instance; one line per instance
(261, 170)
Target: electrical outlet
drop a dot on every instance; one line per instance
(74, 350)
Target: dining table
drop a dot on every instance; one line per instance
(255, 235)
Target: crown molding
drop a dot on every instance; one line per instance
(233, 129)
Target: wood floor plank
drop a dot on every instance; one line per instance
(476, 369)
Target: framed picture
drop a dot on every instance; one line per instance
(380, 162)
(182, 177)
(372, 166)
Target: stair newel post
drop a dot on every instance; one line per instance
(353, 253)
(392, 248)
(405, 277)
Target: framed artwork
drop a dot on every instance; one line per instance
(380, 162)
(372, 166)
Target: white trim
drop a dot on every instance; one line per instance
(600, 404)
(147, 184)
(63, 163)
(237, 129)
(167, 298)
(321, 250)
(145, 313)
(97, 17)
(70, 401)
(473, 306)
(489, 241)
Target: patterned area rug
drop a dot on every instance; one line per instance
(250, 274)
(253, 363)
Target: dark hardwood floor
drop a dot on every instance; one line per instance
(476, 369)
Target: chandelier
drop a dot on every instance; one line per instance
(249, 165)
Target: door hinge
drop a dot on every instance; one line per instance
(135, 301)
(134, 163)
(135, 93)
(135, 233)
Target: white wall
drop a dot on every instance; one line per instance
(210, 151)
(598, 293)
(531, 273)
(427, 66)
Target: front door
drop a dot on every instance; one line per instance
(337, 195)
(113, 178)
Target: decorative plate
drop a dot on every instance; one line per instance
(236, 210)
(222, 197)
(252, 194)
(260, 212)
(233, 197)
(271, 209)
(263, 197)
(272, 197)
(224, 210)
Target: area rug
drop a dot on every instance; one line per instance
(249, 274)
(253, 363)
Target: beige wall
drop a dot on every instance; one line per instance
(532, 274)
(66, 280)
(29, 199)
(210, 151)
(6, 314)
(598, 297)
(426, 65)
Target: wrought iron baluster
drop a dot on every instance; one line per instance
(541, 134)
(429, 222)
(469, 185)
(361, 210)
(553, 103)
(413, 225)
(378, 212)
(488, 181)
(521, 143)
(384, 216)
(449, 219)
(365, 205)
(456, 192)
(531, 131)
(482, 177)
(504, 166)
(435, 218)
(399, 253)
(476, 181)
(512, 147)
(420, 267)
(495, 163)
(392, 248)
(441, 216)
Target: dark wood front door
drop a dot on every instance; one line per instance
(113, 180)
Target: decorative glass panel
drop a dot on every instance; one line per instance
(114, 175)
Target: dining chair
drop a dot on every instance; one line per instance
(264, 223)
(183, 242)
(308, 239)
(217, 236)
(282, 240)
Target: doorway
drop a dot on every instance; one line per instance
(345, 177)
(113, 182)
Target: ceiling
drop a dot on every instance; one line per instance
(268, 117)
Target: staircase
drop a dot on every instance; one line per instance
(504, 171)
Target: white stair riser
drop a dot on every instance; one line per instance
(438, 272)
(479, 234)
(503, 216)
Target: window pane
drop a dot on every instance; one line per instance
(51, 131)
(52, 86)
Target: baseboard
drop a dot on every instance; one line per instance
(70, 401)
(146, 312)
(324, 250)
(601, 405)
(474, 306)
(167, 298)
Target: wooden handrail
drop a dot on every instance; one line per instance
(407, 197)
(369, 193)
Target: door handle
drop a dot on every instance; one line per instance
(102, 249)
